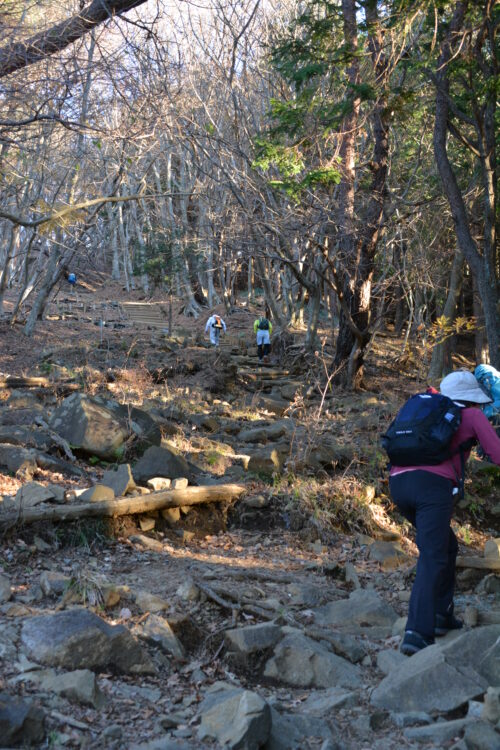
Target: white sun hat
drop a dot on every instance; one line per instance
(463, 386)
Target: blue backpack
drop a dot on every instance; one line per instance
(422, 431)
(489, 380)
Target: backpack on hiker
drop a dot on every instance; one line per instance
(217, 323)
(489, 380)
(422, 431)
(263, 324)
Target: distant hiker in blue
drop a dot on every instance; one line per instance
(71, 279)
(489, 380)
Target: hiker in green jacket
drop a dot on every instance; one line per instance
(263, 328)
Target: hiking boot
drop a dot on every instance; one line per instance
(444, 623)
(413, 642)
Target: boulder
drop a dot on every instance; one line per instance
(267, 461)
(18, 460)
(159, 483)
(156, 630)
(388, 554)
(97, 494)
(492, 549)
(481, 736)
(442, 678)
(322, 702)
(437, 733)
(137, 422)
(89, 426)
(364, 610)
(32, 494)
(297, 731)
(5, 589)
(79, 686)
(161, 462)
(21, 722)
(237, 719)
(302, 662)
(265, 433)
(120, 480)
(54, 583)
(180, 483)
(77, 638)
(148, 602)
(252, 638)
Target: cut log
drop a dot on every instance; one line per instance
(481, 563)
(124, 506)
(14, 382)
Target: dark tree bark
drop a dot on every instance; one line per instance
(18, 55)
(357, 246)
(482, 264)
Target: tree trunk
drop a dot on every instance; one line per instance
(439, 366)
(481, 265)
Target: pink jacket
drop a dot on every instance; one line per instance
(473, 425)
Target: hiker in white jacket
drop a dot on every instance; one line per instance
(215, 325)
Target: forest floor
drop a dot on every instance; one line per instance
(317, 533)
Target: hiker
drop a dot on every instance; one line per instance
(215, 325)
(425, 495)
(489, 380)
(263, 328)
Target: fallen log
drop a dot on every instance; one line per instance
(480, 563)
(123, 506)
(10, 381)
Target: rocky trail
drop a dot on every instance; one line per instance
(266, 613)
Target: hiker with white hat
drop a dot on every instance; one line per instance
(425, 495)
(215, 324)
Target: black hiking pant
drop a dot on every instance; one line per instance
(426, 500)
(263, 350)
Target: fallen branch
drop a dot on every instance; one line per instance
(124, 506)
(481, 563)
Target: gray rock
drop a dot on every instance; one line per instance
(481, 736)
(302, 662)
(161, 462)
(53, 583)
(21, 722)
(77, 639)
(89, 426)
(438, 732)
(163, 743)
(180, 483)
(364, 609)
(9, 633)
(295, 732)
(389, 660)
(491, 706)
(253, 638)
(321, 702)
(79, 686)
(159, 483)
(341, 643)
(120, 480)
(236, 718)
(156, 630)
(389, 554)
(265, 433)
(32, 494)
(98, 493)
(303, 594)
(478, 649)
(411, 718)
(267, 461)
(5, 589)
(429, 681)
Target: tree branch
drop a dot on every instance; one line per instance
(18, 55)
